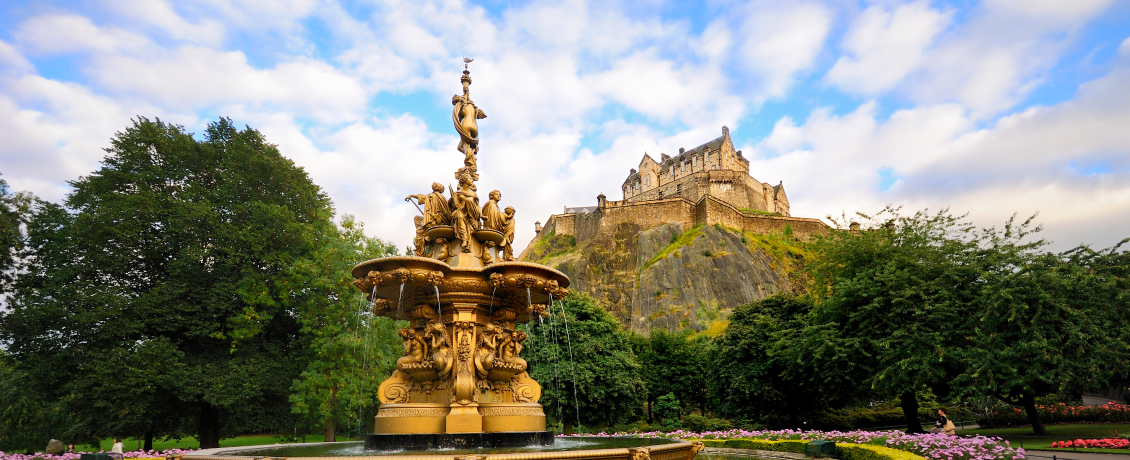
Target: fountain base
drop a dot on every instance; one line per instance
(457, 440)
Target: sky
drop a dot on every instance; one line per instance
(989, 108)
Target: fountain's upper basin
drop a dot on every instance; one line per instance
(605, 448)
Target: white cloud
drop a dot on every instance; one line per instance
(12, 62)
(782, 39)
(1124, 48)
(71, 33)
(991, 62)
(164, 19)
(883, 46)
(1070, 162)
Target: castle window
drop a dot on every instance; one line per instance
(647, 180)
(694, 161)
(678, 188)
(714, 167)
(684, 164)
(707, 156)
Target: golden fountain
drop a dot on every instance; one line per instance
(462, 294)
(462, 383)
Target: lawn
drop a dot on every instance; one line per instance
(1021, 436)
(191, 443)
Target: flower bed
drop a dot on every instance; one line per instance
(134, 455)
(1059, 413)
(1110, 443)
(930, 445)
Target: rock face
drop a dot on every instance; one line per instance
(672, 278)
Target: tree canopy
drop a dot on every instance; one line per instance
(605, 371)
(158, 301)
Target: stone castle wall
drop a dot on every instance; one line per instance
(709, 210)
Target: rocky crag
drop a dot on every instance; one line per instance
(672, 277)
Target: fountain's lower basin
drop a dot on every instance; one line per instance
(429, 441)
(567, 448)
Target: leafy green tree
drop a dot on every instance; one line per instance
(1046, 323)
(890, 304)
(607, 387)
(668, 408)
(753, 378)
(676, 363)
(28, 420)
(14, 210)
(158, 302)
(348, 350)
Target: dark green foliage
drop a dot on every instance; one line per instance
(348, 351)
(159, 301)
(667, 409)
(675, 363)
(752, 382)
(608, 383)
(698, 424)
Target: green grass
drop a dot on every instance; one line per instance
(552, 245)
(1057, 433)
(678, 240)
(191, 443)
(758, 211)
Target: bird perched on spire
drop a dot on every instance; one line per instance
(466, 61)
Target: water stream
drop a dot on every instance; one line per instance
(439, 308)
(572, 360)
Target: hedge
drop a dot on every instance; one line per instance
(847, 451)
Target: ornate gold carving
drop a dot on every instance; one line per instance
(463, 115)
(527, 281)
(508, 363)
(434, 278)
(443, 253)
(374, 278)
(436, 211)
(470, 457)
(496, 280)
(536, 310)
(464, 380)
(465, 285)
(395, 393)
(696, 447)
(401, 412)
(443, 359)
(465, 213)
(485, 256)
(401, 274)
(380, 306)
(485, 354)
(639, 453)
(510, 411)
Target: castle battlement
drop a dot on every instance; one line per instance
(709, 184)
(715, 169)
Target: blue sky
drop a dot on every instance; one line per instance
(991, 108)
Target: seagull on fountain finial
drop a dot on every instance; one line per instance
(466, 61)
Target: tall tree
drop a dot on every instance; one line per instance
(348, 350)
(1046, 323)
(600, 375)
(890, 303)
(161, 291)
(676, 363)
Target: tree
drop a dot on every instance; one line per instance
(890, 304)
(158, 301)
(348, 350)
(675, 363)
(603, 376)
(1046, 323)
(14, 210)
(753, 380)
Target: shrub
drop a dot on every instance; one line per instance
(1058, 413)
(699, 423)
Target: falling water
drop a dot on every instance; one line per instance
(556, 359)
(439, 309)
(492, 291)
(572, 360)
(399, 314)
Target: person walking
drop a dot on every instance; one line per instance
(944, 423)
(118, 447)
(71, 448)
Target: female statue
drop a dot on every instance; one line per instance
(465, 213)
(492, 215)
(436, 210)
(464, 115)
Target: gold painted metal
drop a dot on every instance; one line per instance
(463, 293)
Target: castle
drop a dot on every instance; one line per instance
(706, 185)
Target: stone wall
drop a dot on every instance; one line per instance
(709, 210)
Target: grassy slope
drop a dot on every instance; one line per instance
(1060, 433)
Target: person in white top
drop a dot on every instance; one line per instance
(118, 447)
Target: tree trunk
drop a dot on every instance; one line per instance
(208, 427)
(148, 441)
(1029, 403)
(649, 419)
(329, 430)
(909, 403)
